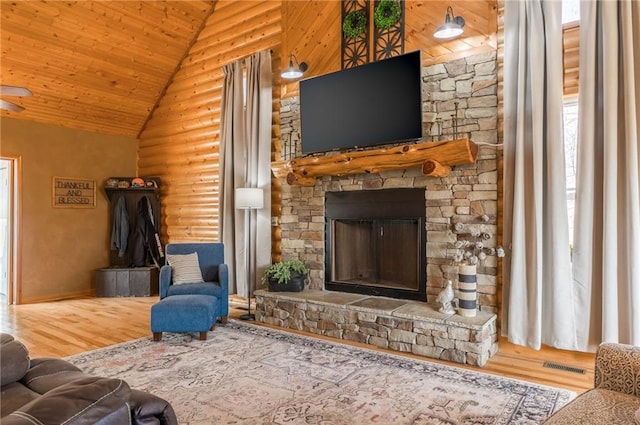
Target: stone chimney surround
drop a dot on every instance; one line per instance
(459, 101)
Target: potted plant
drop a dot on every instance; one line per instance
(285, 276)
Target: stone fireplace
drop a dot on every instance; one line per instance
(459, 100)
(375, 243)
(457, 206)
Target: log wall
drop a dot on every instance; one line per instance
(180, 142)
(571, 51)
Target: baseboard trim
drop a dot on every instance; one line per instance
(57, 297)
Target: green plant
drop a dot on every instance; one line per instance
(354, 23)
(387, 13)
(281, 272)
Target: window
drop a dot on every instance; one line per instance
(570, 117)
(570, 11)
(244, 88)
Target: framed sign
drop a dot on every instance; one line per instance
(73, 193)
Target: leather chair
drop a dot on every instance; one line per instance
(54, 391)
(215, 274)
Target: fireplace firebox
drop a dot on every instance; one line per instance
(375, 243)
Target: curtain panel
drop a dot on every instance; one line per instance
(245, 157)
(258, 119)
(538, 307)
(606, 258)
(232, 169)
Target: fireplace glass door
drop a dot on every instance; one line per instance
(375, 242)
(376, 252)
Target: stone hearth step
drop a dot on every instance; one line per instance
(407, 326)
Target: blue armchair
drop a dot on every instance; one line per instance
(214, 272)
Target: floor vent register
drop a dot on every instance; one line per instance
(558, 366)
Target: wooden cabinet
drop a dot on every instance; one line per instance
(126, 282)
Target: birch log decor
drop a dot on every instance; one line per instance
(435, 158)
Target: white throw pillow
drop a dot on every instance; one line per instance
(185, 268)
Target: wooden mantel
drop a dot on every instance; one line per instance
(435, 158)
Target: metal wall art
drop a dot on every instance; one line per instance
(387, 19)
(355, 33)
(388, 29)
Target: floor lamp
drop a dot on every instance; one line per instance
(248, 198)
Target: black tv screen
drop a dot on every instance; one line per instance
(371, 104)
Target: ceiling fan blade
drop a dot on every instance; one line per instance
(10, 106)
(15, 91)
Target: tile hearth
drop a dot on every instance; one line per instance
(407, 326)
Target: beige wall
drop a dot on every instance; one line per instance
(62, 247)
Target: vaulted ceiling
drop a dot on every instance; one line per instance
(102, 66)
(94, 65)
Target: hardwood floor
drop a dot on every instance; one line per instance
(64, 328)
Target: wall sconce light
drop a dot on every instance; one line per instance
(452, 26)
(292, 71)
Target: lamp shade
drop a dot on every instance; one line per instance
(448, 30)
(294, 71)
(452, 26)
(249, 198)
(291, 73)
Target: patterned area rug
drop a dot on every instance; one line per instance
(245, 374)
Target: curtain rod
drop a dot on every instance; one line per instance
(251, 54)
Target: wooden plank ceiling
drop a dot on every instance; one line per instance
(99, 66)
(103, 66)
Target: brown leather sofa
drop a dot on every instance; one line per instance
(52, 391)
(615, 399)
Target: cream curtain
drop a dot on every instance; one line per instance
(258, 117)
(245, 155)
(606, 258)
(232, 173)
(538, 293)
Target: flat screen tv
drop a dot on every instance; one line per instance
(371, 104)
